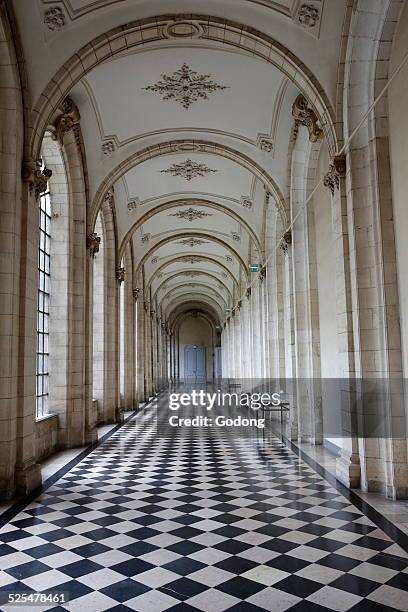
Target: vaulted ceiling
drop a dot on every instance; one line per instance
(215, 120)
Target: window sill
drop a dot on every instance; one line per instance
(45, 417)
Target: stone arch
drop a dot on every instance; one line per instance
(168, 263)
(183, 273)
(186, 202)
(195, 234)
(152, 30)
(176, 146)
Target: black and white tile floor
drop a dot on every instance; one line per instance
(206, 523)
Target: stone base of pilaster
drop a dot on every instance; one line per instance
(27, 478)
(120, 417)
(291, 431)
(348, 469)
(7, 489)
(91, 436)
(396, 492)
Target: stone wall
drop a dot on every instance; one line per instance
(46, 437)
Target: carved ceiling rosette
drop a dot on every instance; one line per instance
(185, 86)
(191, 259)
(54, 18)
(188, 170)
(192, 242)
(190, 214)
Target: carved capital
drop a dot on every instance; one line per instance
(92, 243)
(109, 197)
(136, 293)
(146, 305)
(239, 304)
(35, 177)
(262, 274)
(68, 120)
(286, 241)
(120, 275)
(336, 171)
(304, 115)
(248, 293)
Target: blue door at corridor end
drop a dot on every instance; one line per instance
(194, 364)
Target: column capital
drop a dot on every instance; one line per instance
(109, 197)
(337, 170)
(239, 304)
(67, 120)
(248, 293)
(120, 275)
(304, 115)
(136, 293)
(262, 274)
(286, 241)
(92, 243)
(36, 177)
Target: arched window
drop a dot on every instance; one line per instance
(43, 303)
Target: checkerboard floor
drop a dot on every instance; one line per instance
(207, 523)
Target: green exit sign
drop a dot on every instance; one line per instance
(254, 268)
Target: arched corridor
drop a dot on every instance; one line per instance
(204, 305)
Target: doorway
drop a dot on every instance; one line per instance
(194, 364)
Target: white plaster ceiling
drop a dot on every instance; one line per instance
(137, 112)
(121, 118)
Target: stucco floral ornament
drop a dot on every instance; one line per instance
(185, 86)
(188, 170)
(54, 19)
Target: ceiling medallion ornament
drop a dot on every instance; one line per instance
(155, 260)
(188, 170)
(265, 143)
(235, 236)
(308, 15)
(190, 214)
(191, 259)
(185, 86)
(183, 29)
(108, 148)
(192, 242)
(228, 258)
(246, 202)
(146, 238)
(54, 19)
(133, 204)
